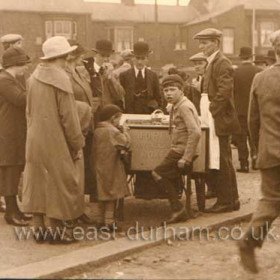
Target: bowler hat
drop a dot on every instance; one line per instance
(103, 47)
(208, 33)
(141, 49)
(271, 55)
(55, 47)
(198, 57)
(172, 79)
(245, 52)
(108, 111)
(15, 57)
(11, 38)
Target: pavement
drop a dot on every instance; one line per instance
(26, 259)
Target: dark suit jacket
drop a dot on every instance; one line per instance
(12, 120)
(264, 116)
(153, 100)
(243, 78)
(218, 83)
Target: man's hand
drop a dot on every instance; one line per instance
(182, 163)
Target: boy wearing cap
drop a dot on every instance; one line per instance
(243, 78)
(218, 84)
(11, 40)
(185, 133)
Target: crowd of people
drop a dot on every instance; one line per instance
(60, 129)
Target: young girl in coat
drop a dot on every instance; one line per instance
(109, 168)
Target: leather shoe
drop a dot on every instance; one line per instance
(15, 221)
(65, 239)
(254, 163)
(179, 216)
(85, 219)
(236, 205)
(243, 169)
(219, 208)
(25, 217)
(247, 255)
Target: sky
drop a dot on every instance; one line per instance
(160, 2)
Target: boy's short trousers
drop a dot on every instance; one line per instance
(168, 168)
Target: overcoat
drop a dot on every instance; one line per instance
(52, 177)
(109, 169)
(153, 98)
(264, 116)
(12, 120)
(218, 83)
(243, 78)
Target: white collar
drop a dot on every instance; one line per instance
(212, 57)
(137, 71)
(96, 67)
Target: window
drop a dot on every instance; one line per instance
(122, 37)
(64, 28)
(228, 40)
(266, 28)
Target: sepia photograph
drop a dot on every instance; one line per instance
(140, 139)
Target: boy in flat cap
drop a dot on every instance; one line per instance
(218, 84)
(11, 40)
(243, 78)
(185, 133)
(264, 123)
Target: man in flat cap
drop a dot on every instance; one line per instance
(11, 40)
(243, 78)
(218, 84)
(126, 57)
(264, 123)
(185, 134)
(140, 83)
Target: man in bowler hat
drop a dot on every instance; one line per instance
(105, 88)
(243, 77)
(270, 58)
(264, 123)
(141, 85)
(218, 84)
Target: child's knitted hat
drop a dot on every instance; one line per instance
(108, 112)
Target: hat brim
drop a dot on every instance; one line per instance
(140, 54)
(103, 51)
(71, 49)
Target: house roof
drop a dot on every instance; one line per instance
(221, 6)
(104, 11)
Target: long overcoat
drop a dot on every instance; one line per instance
(52, 183)
(109, 169)
(12, 120)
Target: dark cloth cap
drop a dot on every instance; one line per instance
(80, 49)
(245, 52)
(108, 111)
(141, 49)
(15, 57)
(271, 55)
(172, 79)
(103, 47)
(208, 33)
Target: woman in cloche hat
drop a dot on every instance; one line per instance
(51, 184)
(12, 131)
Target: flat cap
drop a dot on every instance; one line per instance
(198, 57)
(11, 38)
(171, 79)
(125, 54)
(275, 36)
(208, 33)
